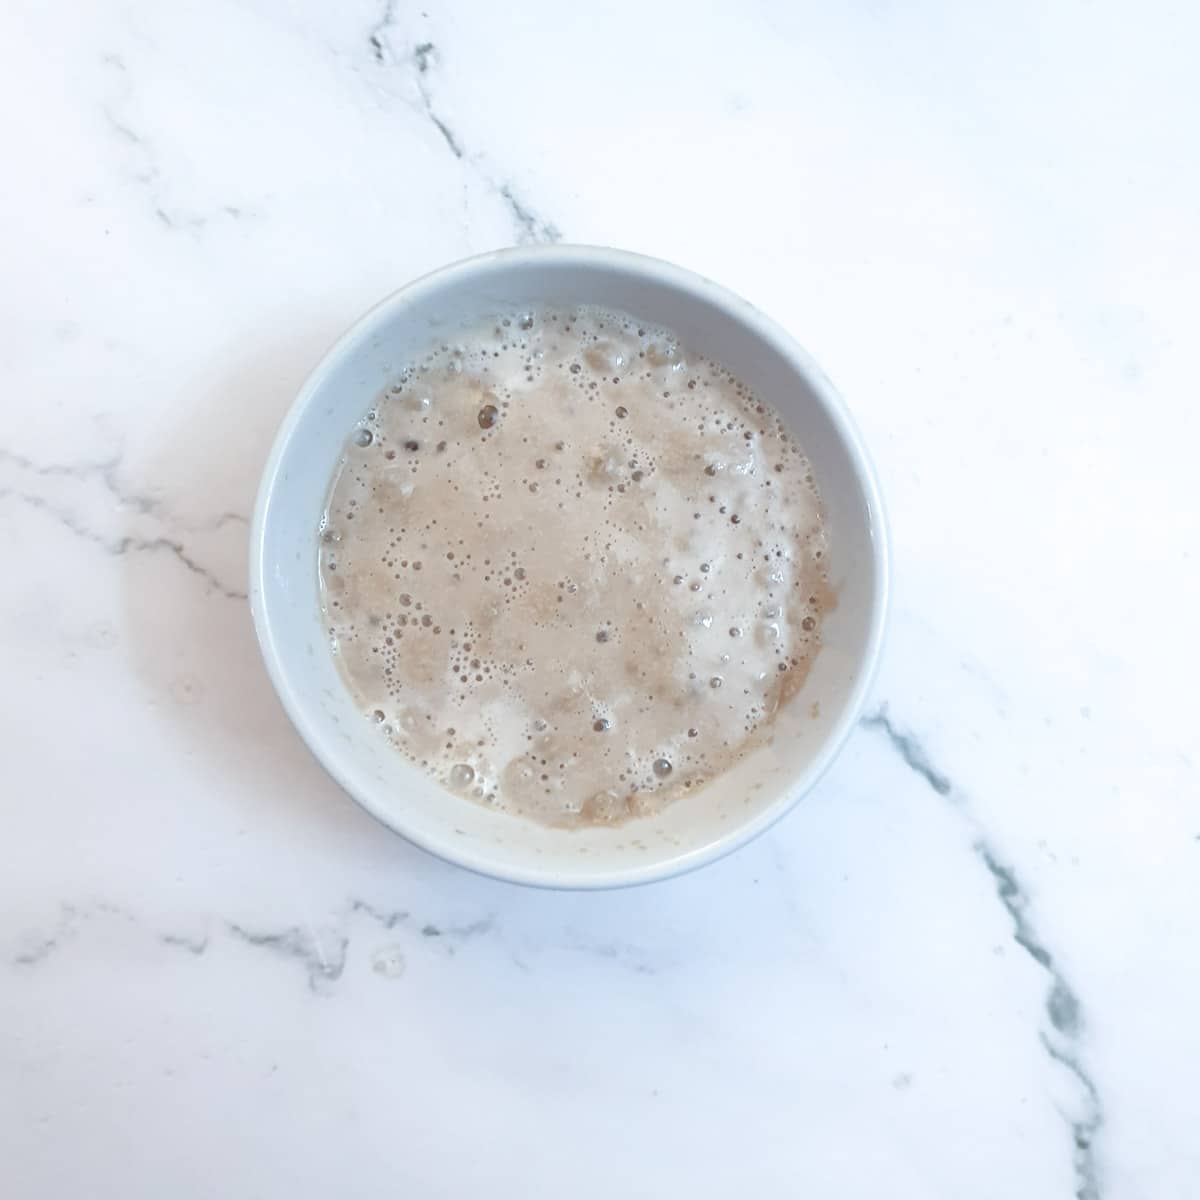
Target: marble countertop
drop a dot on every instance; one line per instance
(968, 965)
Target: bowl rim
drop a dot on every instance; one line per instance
(491, 863)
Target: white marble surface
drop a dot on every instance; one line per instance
(967, 966)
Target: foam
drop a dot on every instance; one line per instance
(570, 568)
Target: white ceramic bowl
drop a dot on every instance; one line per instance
(734, 807)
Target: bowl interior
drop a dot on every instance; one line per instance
(730, 809)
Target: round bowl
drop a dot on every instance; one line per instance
(732, 808)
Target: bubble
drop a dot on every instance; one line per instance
(808, 624)
(734, 631)
(525, 321)
(489, 414)
(363, 437)
(601, 724)
(716, 681)
(602, 635)
(462, 775)
(693, 732)
(377, 716)
(622, 411)
(604, 807)
(662, 767)
(388, 962)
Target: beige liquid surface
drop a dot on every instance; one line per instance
(572, 568)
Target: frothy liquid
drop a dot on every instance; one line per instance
(571, 568)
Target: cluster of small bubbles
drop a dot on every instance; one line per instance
(499, 584)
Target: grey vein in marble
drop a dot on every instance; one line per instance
(457, 933)
(529, 226)
(125, 544)
(909, 749)
(181, 941)
(623, 954)
(377, 39)
(323, 954)
(296, 943)
(1063, 1009)
(39, 948)
(388, 919)
(105, 470)
(1062, 1005)
(1085, 1129)
(106, 473)
(149, 174)
(423, 55)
